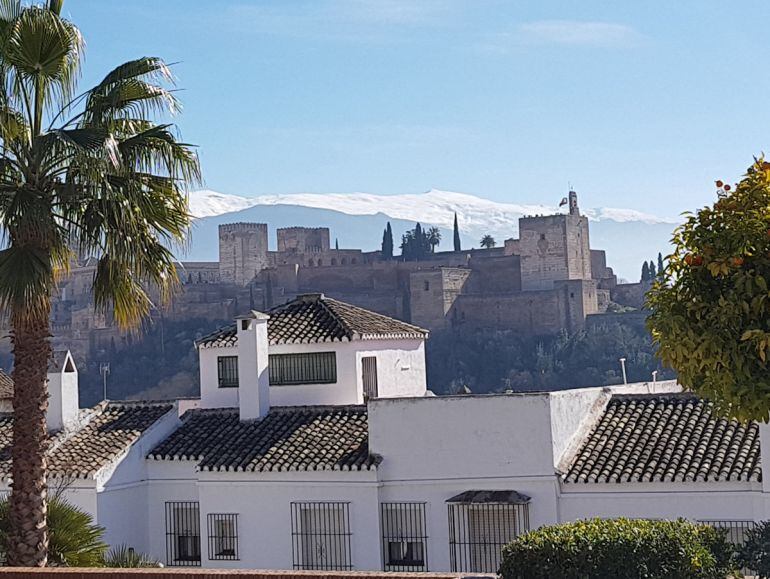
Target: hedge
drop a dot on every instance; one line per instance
(620, 548)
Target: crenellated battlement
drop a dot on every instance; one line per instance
(242, 227)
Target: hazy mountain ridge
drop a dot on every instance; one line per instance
(357, 220)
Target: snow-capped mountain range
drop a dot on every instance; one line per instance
(356, 219)
(435, 207)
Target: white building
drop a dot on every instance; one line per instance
(315, 445)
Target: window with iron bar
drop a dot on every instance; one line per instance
(369, 376)
(227, 371)
(310, 368)
(404, 536)
(321, 535)
(479, 531)
(223, 536)
(183, 537)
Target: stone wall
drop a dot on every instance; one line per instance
(303, 239)
(630, 294)
(242, 251)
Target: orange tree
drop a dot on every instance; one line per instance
(711, 307)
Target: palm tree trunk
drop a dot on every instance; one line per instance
(28, 539)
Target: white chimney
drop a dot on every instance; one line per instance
(253, 376)
(63, 401)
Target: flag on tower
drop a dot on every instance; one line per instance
(564, 201)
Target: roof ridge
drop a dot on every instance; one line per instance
(324, 301)
(376, 314)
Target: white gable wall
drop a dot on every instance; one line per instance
(123, 488)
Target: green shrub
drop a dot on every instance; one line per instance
(74, 539)
(124, 556)
(755, 553)
(620, 548)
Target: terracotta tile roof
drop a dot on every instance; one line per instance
(315, 318)
(666, 438)
(110, 432)
(287, 439)
(6, 386)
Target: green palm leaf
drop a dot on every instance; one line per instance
(107, 178)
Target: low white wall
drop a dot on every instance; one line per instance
(694, 501)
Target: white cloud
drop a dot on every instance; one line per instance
(578, 33)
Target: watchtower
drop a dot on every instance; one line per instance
(242, 251)
(554, 248)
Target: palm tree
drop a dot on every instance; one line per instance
(434, 238)
(91, 173)
(488, 242)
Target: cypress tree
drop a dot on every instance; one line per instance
(457, 235)
(653, 273)
(387, 243)
(645, 272)
(661, 267)
(336, 244)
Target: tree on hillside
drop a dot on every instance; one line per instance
(387, 243)
(95, 175)
(710, 309)
(488, 242)
(661, 266)
(645, 272)
(456, 236)
(434, 238)
(653, 271)
(415, 244)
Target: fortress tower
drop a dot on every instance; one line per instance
(303, 239)
(242, 251)
(554, 248)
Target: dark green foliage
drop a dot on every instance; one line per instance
(123, 556)
(645, 272)
(415, 244)
(387, 243)
(495, 361)
(456, 237)
(336, 244)
(661, 266)
(710, 309)
(653, 272)
(75, 541)
(755, 553)
(488, 242)
(621, 549)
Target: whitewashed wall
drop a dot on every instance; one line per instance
(262, 502)
(400, 371)
(694, 501)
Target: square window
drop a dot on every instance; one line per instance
(227, 371)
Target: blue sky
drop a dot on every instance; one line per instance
(636, 104)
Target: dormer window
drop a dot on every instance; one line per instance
(227, 371)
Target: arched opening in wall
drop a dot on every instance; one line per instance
(320, 261)
(310, 263)
(334, 261)
(344, 261)
(354, 261)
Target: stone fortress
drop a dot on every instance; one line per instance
(547, 280)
